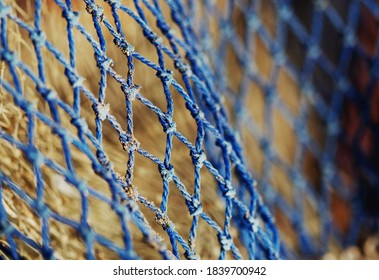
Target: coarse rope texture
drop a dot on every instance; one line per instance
(329, 52)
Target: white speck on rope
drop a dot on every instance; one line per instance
(103, 110)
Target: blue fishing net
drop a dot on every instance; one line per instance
(327, 48)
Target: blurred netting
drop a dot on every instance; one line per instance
(331, 120)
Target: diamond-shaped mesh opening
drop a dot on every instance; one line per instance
(296, 51)
(304, 11)
(367, 30)
(70, 246)
(331, 51)
(289, 92)
(284, 138)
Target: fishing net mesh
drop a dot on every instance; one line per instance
(258, 95)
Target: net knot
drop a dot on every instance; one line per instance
(124, 46)
(165, 76)
(285, 12)
(329, 168)
(46, 93)
(165, 28)
(101, 110)
(81, 186)
(5, 228)
(343, 84)
(48, 253)
(115, 3)
(267, 149)
(270, 94)
(168, 124)
(167, 173)
(322, 5)
(252, 221)
(225, 145)
(129, 142)
(189, 255)
(131, 192)
(38, 38)
(96, 11)
(103, 159)
(254, 22)
(162, 220)
(73, 78)
(195, 207)
(34, 156)
(349, 39)
(279, 57)
(9, 57)
(314, 52)
(198, 158)
(152, 37)
(61, 133)
(40, 208)
(120, 206)
(131, 92)
(229, 190)
(226, 241)
(215, 107)
(297, 179)
(104, 62)
(71, 17)
(26, 106)
(333, 127)
(86, 232)
(80, 123)
(301, 130)
(5, 11)
(182, 67)
(97, 168)
(196, 113)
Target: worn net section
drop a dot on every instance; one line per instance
(209, 55)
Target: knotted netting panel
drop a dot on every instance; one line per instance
(187, 129)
